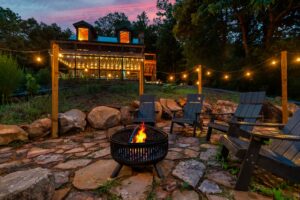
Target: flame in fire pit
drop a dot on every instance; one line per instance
(141, 136)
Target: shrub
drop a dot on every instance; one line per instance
(32, 86)
(44, 77)
(10, 76)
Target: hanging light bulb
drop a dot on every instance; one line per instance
(248, 74)
(60, 55)
(226, 76)
(86, 69)
(298, 59)
(39, 59)
(184, 76)
(171, 78)
(128, 72)
(109, 75)
(273, 62)
(208, 73)
(197, 83)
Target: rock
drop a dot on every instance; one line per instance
(9, 133)
(60, 178)
(185, 195)
(189, 171)
(135, 104)
(158, 110)
(161, 194)
(103, 117)
(38, 128)
(12, 166)
(209, 187)
(166, 166)
(60, 194)
(113, 130)
(36, 151)
(222, 177)
(190, 153)
(75, 150)
(126, 115)
(166, 112)
(191, 141)
(48, 158)
(181, 101)
(209, 154)
(72, 164)
(35, 183)
(89, 144)
(249, 196)
(134, 187)
(223, 106)
(207, 107)
(215, 197)
(94, 175)
(169, 184)
(100, 153)
(292, 108)
(75, 195)
(271, 112)
(173, 155)
(71, 120)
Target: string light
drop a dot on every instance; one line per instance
(60, 55)
(184, 76)
(226, 76)
(128, 72)
(298, 59)
(197, 83)
(208, 73)
(86, 69)
(273, 62)
(39, 59)
(171, 78)
(109, 75)
(248, 74)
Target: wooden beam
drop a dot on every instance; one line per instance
(199, 70)
(54, 75)
(141, 78)
(284, 98)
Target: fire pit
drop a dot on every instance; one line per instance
(138, 145)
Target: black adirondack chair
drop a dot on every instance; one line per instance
(191, 112)
(248, 110)
(146, 111)
(281, 157)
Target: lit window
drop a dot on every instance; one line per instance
(124, 37)
(83, 34)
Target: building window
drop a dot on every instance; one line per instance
(83, 34)
(124, 37)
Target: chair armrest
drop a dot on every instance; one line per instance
(256, 124)
(247, 117)
(276, 136)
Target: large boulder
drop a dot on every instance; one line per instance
(126, 115)
(9, 133)
(103, 117)
(37, 183)
(158, 109)
(223, 106)
(271, 112)
(38, 128)
(72, 120)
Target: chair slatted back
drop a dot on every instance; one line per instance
(147, 107)
(249, 108)
(289, 149)
(193, 105)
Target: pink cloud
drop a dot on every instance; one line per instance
(68, 17)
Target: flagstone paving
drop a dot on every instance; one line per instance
(81, 163)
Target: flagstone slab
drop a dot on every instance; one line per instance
(222, 177)
(72, 164)
(61, 178)
(36, 151)
(185, 195)
(75, 150)
(190, 171)
(100, 153)
(135, 187)
(209, 154)
(48, 158)
(60, 194)
(209, 187)
(94, 175)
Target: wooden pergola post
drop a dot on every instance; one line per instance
(284, 98)
(141, 79)
(199, 70)
(54, 75)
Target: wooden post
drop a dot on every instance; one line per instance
(284, 98)
(141, 79)
(54, 75)
(199, 70)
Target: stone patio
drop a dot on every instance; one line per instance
(77, 165)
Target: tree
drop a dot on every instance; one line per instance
(107, 25)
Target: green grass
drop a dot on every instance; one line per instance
(84, 95)
(105, 188)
